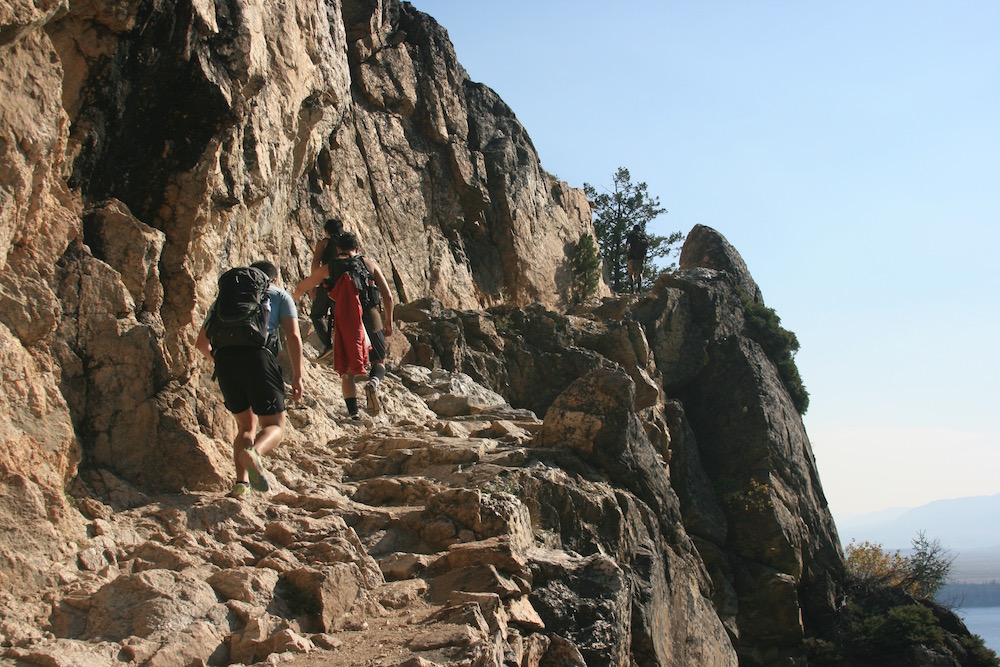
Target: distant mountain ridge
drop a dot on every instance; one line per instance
(959, 523)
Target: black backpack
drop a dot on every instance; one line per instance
(242, 309)
(330, 251)
(355, 267)
(638, 245)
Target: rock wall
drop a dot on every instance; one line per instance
(145, 146)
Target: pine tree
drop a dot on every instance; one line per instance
(616, 212)
(586, 269)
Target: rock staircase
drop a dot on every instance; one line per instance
(399, 542)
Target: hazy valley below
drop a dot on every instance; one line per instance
(965, 526)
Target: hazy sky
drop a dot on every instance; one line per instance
(850, 151)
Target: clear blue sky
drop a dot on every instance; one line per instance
(850, 151)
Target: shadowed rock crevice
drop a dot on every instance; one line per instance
(151, 105)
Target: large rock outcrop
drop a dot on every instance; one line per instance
(743, 476)
(146, 146)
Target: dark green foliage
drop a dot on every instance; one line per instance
(979, 654)
(823, 653)
(660, 247)
(738, 497)
(586, 269)
(875, 631)
(616, 212)
(779, 344)
(883, 622)
(929, 566)
(789, 373)
(764, 326)
(879, 631)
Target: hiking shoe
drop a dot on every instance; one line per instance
(371, 391)
(326, 356)
(355, 417)
(258, 478)
(240, 491)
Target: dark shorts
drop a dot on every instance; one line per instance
(250, 377)
(321, 304)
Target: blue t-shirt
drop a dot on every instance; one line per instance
(282, 306)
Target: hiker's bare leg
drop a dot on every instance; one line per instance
(272, 428)
(271, 431)
(246, 425)
(348, 385)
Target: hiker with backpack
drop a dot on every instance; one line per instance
(241, 335)
(362, 319)
(636, 246)
(324, 253)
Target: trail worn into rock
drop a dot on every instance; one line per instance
(407, 538)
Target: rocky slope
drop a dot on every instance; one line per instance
(628, 485)
(146, 146)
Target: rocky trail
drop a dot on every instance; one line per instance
(394, 542)
(589, 525)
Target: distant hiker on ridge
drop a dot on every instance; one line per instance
(636, 246)
(359, 291)
(240, 334)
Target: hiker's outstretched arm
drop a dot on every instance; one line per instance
(294, 341)
(318, 253)
(203, 345)
(387, 303)
(312, 280)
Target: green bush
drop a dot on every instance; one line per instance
(890, 633)
(586, 269)
(755, 496)
(979, 654)
(779, 344)
(823, 653)
(885, 620)
(921, 574)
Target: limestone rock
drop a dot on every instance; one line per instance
(248, 154)
(738, 410)
(706, 248)
(333, 589)
(591, 605)
(250, 585)
(527, 356)
(132, 248)
(38, 457)
(150, 604)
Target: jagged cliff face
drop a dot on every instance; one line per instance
(629, 485)
(146, 146)
(741, 484)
